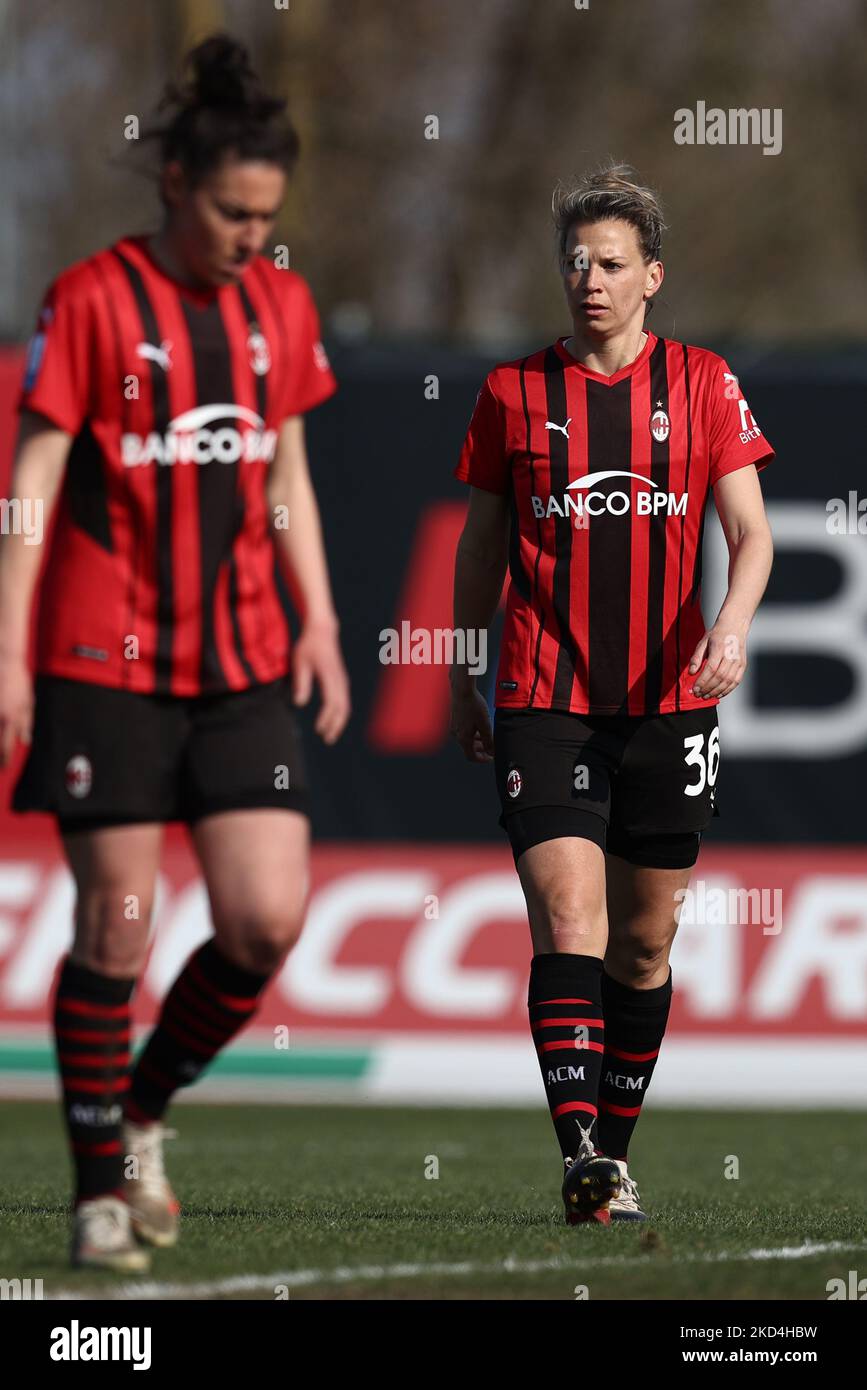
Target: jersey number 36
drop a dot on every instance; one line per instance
(707, 766)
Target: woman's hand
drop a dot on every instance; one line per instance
(724, 652)
(317, 655)
(16, 705)
(471, 723)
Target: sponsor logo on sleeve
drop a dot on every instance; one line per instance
(36, 349)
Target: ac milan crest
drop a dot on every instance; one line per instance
(79, 776)
(514, 782)
(257, 350)
(660, 426)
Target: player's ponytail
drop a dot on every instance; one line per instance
(220, 109)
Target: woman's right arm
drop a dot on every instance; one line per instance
(40, 460)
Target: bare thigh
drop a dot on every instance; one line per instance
(564, 886)
(115, 872)
(256, 868)
(643, 909)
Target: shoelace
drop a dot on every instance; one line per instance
(585, 1148)
(629, 1190)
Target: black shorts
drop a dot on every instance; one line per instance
(642, 787)
(102, 756)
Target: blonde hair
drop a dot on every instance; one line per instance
(612, 191)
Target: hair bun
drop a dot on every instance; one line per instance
(222, 75)
(220, 106)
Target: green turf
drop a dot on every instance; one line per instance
(268, 1190)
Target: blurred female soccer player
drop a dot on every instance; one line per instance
(590, 463)
(163, 404)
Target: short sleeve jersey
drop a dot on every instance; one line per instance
(608, 480)
(161, 574)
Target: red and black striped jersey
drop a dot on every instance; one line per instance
(161, 575)
(608, 481)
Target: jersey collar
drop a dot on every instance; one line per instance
(565, 354)
(199, 298)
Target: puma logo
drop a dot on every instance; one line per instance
(564, 429)
(160, 355)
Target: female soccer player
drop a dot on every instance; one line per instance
(590, 464)
(163, 404)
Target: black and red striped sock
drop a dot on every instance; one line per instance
(210, 1001)
(565, 1002)
(92, 1037)
(635, 1023)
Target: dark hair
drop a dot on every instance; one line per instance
(613, 191)
(220, 110)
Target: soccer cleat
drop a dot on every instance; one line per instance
(154, 1208)
(102, 1237)
(591, 1181)
(626, 1207)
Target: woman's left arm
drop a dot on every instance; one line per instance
(297, 531)
(738, 497)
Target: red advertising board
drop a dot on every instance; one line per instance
(429, 939)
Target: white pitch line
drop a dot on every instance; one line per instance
(350, 1274)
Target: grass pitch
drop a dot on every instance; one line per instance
(316, 1202)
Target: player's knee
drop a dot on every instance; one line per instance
(638, 960)
(567, 923)
(264, 952)
(111, 928)
(266, 937)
